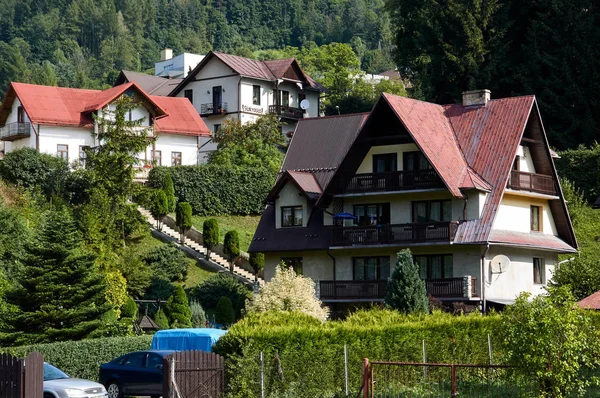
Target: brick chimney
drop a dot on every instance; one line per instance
(476, 97)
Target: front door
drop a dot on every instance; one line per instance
(217, 99)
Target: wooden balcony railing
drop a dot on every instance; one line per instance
(15, 131)
(394, 233)
(376, 289)
(532, 182)
(287, 112)
(392, 181)
(213, 109)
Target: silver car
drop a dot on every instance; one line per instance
(57, 384)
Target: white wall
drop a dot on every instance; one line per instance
(138, 113)
(52, 136)
(203, 91)
(525, 161)
(514, 214)
(168, 143)
(28, 142)
(290, 196)
(179, 66)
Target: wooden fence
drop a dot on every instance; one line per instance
(191, 374)
(22, 378)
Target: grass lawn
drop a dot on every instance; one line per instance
(245, 225)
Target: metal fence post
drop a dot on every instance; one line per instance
(171, 387)
(262, 375)
(453, 382)
(490, 348)
(424, 361)
(346, 368)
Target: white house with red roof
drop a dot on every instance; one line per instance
(471, 189)
(60, 121)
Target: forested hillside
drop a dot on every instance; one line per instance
(84, 43)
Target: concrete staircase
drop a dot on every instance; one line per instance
(221, 263)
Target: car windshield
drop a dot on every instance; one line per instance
(53, 373)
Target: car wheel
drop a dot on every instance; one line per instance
(114, 390)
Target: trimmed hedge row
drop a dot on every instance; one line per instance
(311, 357)
(83, 358)
(215, 190)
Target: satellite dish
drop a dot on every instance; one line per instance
(500, 264)
(304, 104)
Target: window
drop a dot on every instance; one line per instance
(256, 95)
(20, 115)
(62, 151)
(285, 98)
(372, 214)
(175, 158)
(415, 161)
(435, 266)
(432, 211)
(154, 361)
(539, 271)
(157, 158)
(216, 128)
(189, 94)
(82, 154)
(370, 268)
(291, 216)
(536, 218)
(293, 262)
(385, 162)
(135, 360)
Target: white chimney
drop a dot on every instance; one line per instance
(166, 54)
(476, 97)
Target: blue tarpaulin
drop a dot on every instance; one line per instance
(186, 339)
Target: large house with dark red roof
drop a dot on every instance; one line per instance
(60, 121)
(471, 189)
(228, 86)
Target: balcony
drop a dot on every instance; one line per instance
(392, 181)
(464, 287)
(394, 234)
(532, 182)
(15, 131)
(213, 109)
(286, 111)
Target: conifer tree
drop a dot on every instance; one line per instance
(183, 218)
(178, 308)
(59, 294)
(210, 234)
(170, 192)
(405, 289)
(231, 246)
(160, 207)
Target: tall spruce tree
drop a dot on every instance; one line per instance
(170, 192)
(405, 289)
(59, 294)
(178, 309)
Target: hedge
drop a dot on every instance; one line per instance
(83, 358)
(310, 354)
(216, 190)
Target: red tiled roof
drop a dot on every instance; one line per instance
(591, 302)
(433, 134)
(103, 98)
(306, 181)
(530, 240)
(182, 118)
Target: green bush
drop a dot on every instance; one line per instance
(231, 244)
(178, 309)
(183, 218)
(210, 233)
(405, 289)
(215, 190)
(168, 262)
(161, 319)
(29, 168)
(224, 313)
(170, 192)
(198, 314)
(311, 353)
(257, 262)
(160, 206)
(219, 285)
(143, 195)
(129, 309)
(83, 358)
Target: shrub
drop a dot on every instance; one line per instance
(168, 262)
(161, 319)
(183, 218)
(215, 190)
(160, 289)
(29, 168)
(198, 314)
(210, 233)
(83, 358)
(231, 245)
(405, 289)
(129, 309)
(160, 207)
(180, 315)
(143, 195)
(257, 262)
(219, 285)
(169, 192)
(290, 292)
(225, 314)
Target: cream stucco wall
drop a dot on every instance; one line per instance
(290, 196)
(367, 164)
(315, 265)
(168, 143)
(514, 214)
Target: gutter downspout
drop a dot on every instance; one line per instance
(240, 99)
(482, 280)
(37, 136)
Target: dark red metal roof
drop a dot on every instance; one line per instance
(306, 181)
(153, 85)
(530, 240)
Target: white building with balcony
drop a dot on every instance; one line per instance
(227, 86)
(176, 67)
(62, 122)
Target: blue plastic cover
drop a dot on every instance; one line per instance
(186, 339)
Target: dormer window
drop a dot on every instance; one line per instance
(291, 216)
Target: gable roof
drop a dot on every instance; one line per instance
(153, 85)
(248, 67)
(73, 107)
(306, 182)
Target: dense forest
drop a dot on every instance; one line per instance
(543, 47)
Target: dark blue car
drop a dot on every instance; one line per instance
(136, 373)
